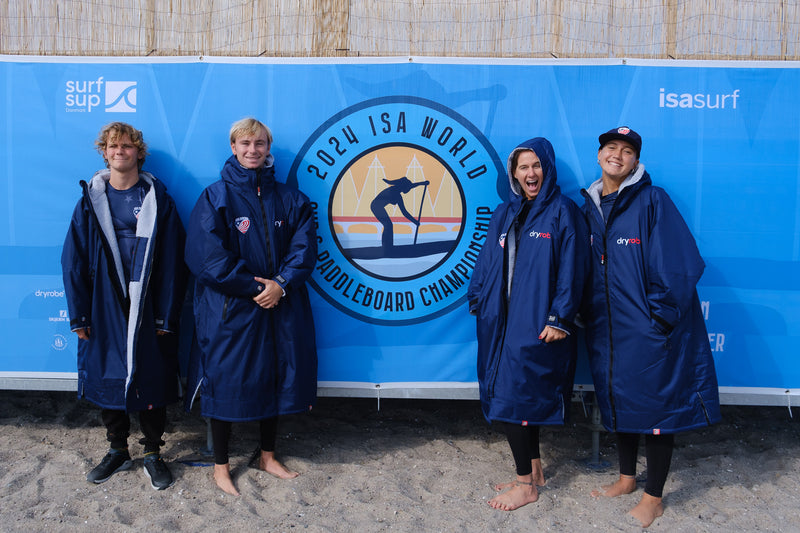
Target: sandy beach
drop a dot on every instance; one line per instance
(413, 465)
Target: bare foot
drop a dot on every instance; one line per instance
(538, 477)
(269, 464)
(522, 493)
(624, 485)
(222, 477)
(648, 509)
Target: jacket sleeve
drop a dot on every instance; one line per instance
(476, 282)
(483, 264)
(674, 264)
(76, 268)
(298, 263)
(573, 268)
(209, 256)
(169, 270)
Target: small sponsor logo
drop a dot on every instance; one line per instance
(87, 96)
(626, 242)
(691, 100)
(49, 293)
(63, 316)
(538, 235)
(59, 342)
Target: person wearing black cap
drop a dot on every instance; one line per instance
(648, 347)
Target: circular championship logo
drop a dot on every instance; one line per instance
(403, 190)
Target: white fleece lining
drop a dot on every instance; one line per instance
(145, 227)
(97, 195)
(595, 189)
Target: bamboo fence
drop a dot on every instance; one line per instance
(659, 29)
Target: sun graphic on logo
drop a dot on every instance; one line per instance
(396, 212)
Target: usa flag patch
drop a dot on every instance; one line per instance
(242, 224)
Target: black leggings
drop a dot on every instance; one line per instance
(658, 451)
(118, 428)
(524, 442)
(221, 434)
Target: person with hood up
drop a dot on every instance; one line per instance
(251, 246)
(648, 347)
(526, 291)
(124, 280)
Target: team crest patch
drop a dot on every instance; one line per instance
(242, 224)
(403, 190)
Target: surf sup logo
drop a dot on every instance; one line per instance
(403, 190)
(84, 96)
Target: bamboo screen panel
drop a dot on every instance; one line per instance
(680, 29)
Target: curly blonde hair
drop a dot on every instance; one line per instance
(115, 130)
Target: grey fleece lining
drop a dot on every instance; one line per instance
(513, 183)
(145, 227)
(97, 195)
(595, 189)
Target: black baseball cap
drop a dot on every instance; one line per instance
(623, 133)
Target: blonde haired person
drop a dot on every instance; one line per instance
(251, 246)
(124, 279)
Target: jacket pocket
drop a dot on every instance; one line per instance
(225, 305)
(704, 408)
(661, 325)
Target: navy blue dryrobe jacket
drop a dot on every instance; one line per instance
(648, 347)
(522, 379)
(251, 363)
(124, 365)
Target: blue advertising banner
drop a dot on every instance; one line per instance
(378, 143)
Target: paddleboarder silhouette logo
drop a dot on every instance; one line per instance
(396, 228)
(393, 194)
(403, 190)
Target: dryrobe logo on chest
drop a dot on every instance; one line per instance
(87, 96)
(631, 241)
(401, 188)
